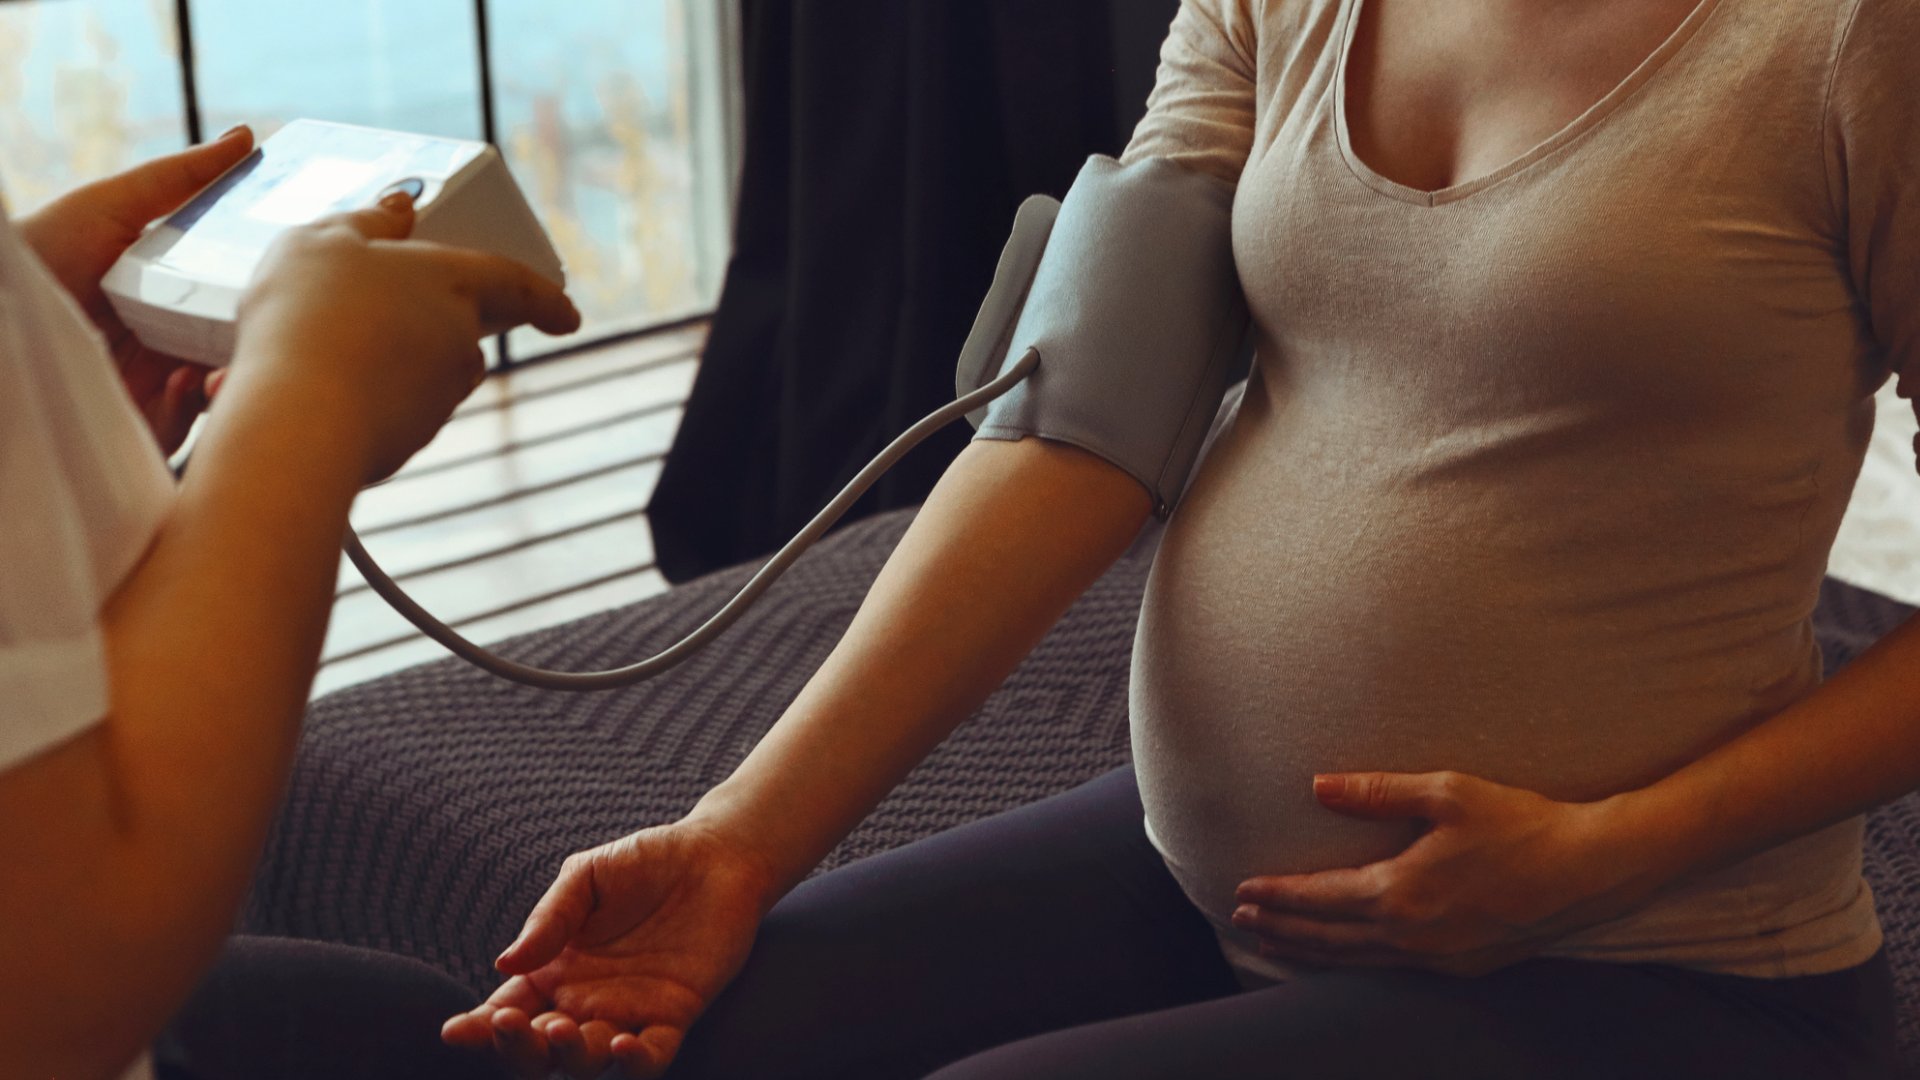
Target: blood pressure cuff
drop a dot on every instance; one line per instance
(1127, 291)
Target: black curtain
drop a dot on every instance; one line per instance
(888, 143)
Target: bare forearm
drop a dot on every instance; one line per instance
(1851, 745)
(150, 823)
(1011, 536)
(213, 643)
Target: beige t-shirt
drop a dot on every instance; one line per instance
(1536, 475)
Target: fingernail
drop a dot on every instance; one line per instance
(231, 132)
(1329, 787)
(396, 201)
(1243, 914)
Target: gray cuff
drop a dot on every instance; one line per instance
(1127, 290)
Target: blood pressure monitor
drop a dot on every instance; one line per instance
(178, 287)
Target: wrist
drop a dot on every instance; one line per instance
(49, 233)
(1653, 833)
(297, 394)
(730, 816)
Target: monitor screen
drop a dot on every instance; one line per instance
(305, 171)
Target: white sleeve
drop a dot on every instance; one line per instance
(82, 492)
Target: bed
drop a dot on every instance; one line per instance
(429, 809)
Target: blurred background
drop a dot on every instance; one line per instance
(621, 121)
(614, 114)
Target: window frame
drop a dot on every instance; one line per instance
(723, 32)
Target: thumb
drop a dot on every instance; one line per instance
(553, 922)
(1385, 796)
(146, 191)
(648, 1053)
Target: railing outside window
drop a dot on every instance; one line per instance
(614, 114)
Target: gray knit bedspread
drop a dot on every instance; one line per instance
(429, 809)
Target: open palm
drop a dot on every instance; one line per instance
(630, 944)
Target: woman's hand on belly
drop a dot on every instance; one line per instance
(1499, 874)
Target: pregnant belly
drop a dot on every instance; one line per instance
(1292, 628)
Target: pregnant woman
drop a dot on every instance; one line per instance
(1478, 726)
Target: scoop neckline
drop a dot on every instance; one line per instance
(1547, 147)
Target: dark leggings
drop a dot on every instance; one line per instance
(1050, 941)
(276, 1009)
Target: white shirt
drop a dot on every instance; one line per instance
(83, 490)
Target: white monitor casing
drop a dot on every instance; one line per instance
(178, 287)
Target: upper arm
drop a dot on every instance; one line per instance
(1873, 156)
(82, 491)
(1201, 112)
(1058, 486)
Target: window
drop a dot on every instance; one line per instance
(613, 114)
(86, 87)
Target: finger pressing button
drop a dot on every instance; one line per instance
(412, 187)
